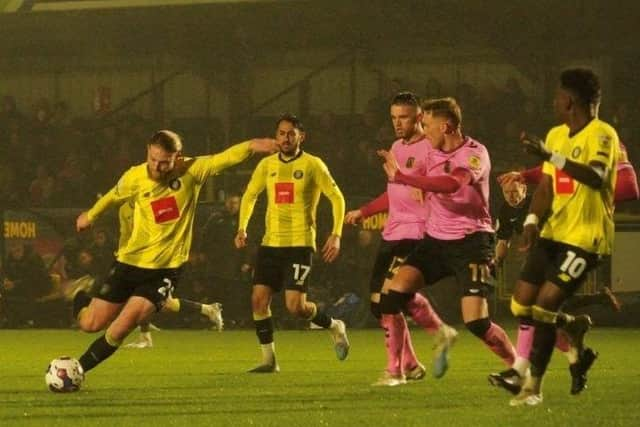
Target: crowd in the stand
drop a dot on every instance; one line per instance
(50, 159)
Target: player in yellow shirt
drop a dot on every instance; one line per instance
(212, 311)
(576, 196)
(164, 192)
(294, 180)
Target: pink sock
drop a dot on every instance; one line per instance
(525, 340)
(562, 342)
(423, 314)
(395, 327)
(409, 359)
(498, 341)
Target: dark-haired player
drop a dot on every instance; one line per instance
(570, 338)
(576, 194)
(459, 234)
(403, 231)
(293, 180)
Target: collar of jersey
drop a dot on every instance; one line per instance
(291, 159)
(465, 140)
(571, 135)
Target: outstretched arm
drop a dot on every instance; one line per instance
(528, 176)
(377, 205)
(114, 197)
(240, 152)
(435, 184)
(592, 174)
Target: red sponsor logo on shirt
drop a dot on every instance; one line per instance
(284, 192)
(165, 209)
(564, 183)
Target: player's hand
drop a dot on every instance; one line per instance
(417, 195)
(509, 177)
(535, 146)
(390, 164)
(241, 239)
(263, 145)
(82, 223)
(353, 217)
(529, 236)
(331, 248)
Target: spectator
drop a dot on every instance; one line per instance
(25, 281)
(42, 187)
(228, 271)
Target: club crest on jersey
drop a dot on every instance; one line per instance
(447, 166)
(298, 174)
(175, 184)
(410, 162)
(576, 152)
(474, 162)
(605, 141)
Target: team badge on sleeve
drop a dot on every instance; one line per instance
(605, 141)
(474, 162)
(575, 153)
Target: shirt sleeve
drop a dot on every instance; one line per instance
(379, 204)
(330, 189)
(604, 148)
(533, 175)
(256, 185)
(123, 190)
(547, 167)
(476, 164)
(205, 166)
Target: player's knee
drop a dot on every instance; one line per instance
(88, 322)
(520, 310)
(543, 315)
(479, 327)
(259, 304)
(407, 279)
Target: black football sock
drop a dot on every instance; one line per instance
(264, 330)
(97, 352)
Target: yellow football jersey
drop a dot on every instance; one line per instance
(580, 215)
(125, 220)
(163, 212)
(293, 190)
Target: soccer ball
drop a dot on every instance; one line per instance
(64, 375)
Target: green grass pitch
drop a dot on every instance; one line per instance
(197, 378)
